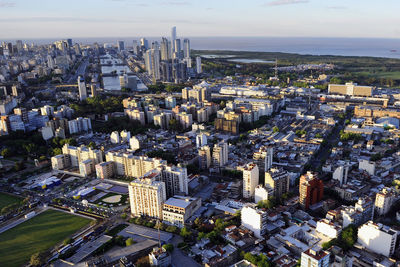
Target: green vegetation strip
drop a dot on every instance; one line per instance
(7, 199)
(37, 234)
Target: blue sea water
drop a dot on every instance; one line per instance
(373, 47)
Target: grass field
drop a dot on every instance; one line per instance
(6, 199)
(37, 234)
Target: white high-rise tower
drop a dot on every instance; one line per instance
(82, 88)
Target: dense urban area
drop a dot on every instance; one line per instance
(149, 153)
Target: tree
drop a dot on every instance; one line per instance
(6, 152)
(185, 233)
(68, 241)
(168, 247)
(37, 259)
(275, 129)
(129, 242)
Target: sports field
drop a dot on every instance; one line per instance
(37, 234)
(6, 199)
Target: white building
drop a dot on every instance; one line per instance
(82, 88)
(328, 228)
(262, 193)
(250, 180)
(367, 166)
(115, 138)
(254, 219)
(147, 196)
(384, 201)
(134, 143)
(377, 238)
(315, 257)
(341, 174)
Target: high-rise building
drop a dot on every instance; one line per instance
(121, 46)
(178, 49)
(144, 43)
(311, 189)
(250, 180)
(201, 140)
(93, 89)
(186, 48)
(198, 65)
(378, 238)
(341, 174)
(262, 193)
(362, 212)
(175, 180)
(220, 154)
(173, 38)
(165, 49)
(204, 157)
(315, 257)
(254, 219)
(384, 201)
(82, 88)
(152, 62)
(278, 180)
(147, 196)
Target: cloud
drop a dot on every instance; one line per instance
(7, 4)
(286, 2)
(176, 3)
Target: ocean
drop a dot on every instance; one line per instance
(373, 47)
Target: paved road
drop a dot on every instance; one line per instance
(179, 258)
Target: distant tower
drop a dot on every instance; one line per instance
(121, 45)
(186, 48)
(173, 38)
(198, 65)
(82, 88)
(276, 68)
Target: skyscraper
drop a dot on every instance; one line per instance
(82, 88)
(198, 65)
(152, 62)
(173, 38)
(121, 45)
(165, 49)
(144, 43)
(178, 49)
(186, 48)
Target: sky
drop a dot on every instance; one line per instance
(33, 19)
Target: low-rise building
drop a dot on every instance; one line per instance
(377, 238)
(178, 209)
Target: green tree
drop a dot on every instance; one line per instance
(275, 129)
(37, 259)
(168, 247)
(185, 233)
(68, 241)
(129, 242)
(6, 152)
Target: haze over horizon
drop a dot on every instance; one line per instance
(256, 18)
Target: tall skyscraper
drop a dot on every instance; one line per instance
(311, 189)
(121, 45)
(82, 88)
(173, 38)
(250, 180)
(186, 48)
(145, 43)
(269, 157)
(152, 62)
(165, 49)
(198, 65)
